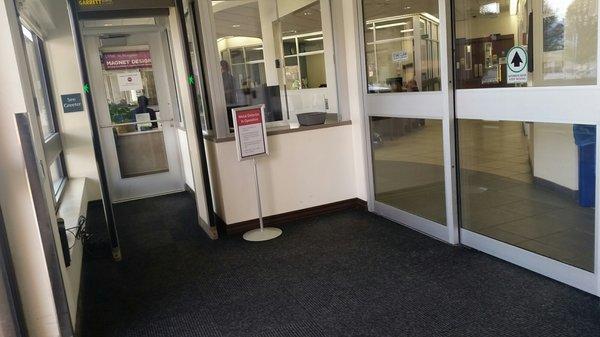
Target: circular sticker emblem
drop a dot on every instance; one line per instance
(517, 59)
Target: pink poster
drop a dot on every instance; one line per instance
(126, 60)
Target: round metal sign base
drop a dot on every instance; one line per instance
(258, 235)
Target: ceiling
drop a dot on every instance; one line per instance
(377, 9)
(465, 9)
(242, 18)
(237, 18)
(302, 21)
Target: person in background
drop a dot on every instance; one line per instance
(412, 86)
(143, 108)
(229, 84)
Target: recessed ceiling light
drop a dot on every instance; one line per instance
(236, 26)
(490, 8)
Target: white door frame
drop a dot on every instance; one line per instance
(429, 105)
(151, 185)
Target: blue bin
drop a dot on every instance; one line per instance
(585, 138)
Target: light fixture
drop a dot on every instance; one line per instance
(513, 7)
(390, 25)
(236, 26)
(314, 39)
(407, 30)
(490, 8)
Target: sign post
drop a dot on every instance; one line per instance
(251, 142)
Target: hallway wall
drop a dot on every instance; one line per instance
(15, 196)
(76, 134)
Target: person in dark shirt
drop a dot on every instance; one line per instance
(143, 108)
(229, 84)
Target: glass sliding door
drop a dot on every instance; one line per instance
(406, 102)
(526, 108)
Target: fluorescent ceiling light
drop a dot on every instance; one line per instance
(490, 8)
(514, 5)
(314, 38)
(407, 30)
(390, 25)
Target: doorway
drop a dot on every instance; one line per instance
(492, 146)
(133, 88)
(408, 115)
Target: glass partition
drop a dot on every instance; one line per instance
(531, 185)
(134, 111)
(525, 43)
(402, 46)
(408, 165)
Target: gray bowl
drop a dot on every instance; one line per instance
(312, 118)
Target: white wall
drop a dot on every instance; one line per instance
(555, 156)
(304, 169)
(76, 134)
(354, 91)
(186, 162)
(15, 197)
(186, 103)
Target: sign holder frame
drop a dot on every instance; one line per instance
(262, 233)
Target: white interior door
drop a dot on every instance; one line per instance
(139, 142)
(527, 149)
(407, 107)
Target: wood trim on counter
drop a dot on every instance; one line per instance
(284, 218)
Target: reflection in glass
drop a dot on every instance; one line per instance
(134, 112)
(531, 185)
(304, 48)
(408, 165)
(560, 37)
(57, 175)
(38, 80)
(402, 46)
(247, 79)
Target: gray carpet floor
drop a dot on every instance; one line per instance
(346, 274)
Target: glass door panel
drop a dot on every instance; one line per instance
(526, 105)
(531, 185)
(406, 103)
(408, 165)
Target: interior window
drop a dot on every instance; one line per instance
(402, 45)
(516, 43)
(271, 52)
(34, 50)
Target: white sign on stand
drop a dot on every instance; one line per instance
(516, 65)
(251, 142)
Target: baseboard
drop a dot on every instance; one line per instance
(283, 218)
(189, 190)
(554, 187)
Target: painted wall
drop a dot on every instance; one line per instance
(555, 156)
(15, 197)
(76, 134)
(186, 104)
(304, 169)
(186, 161)
(346, 29)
